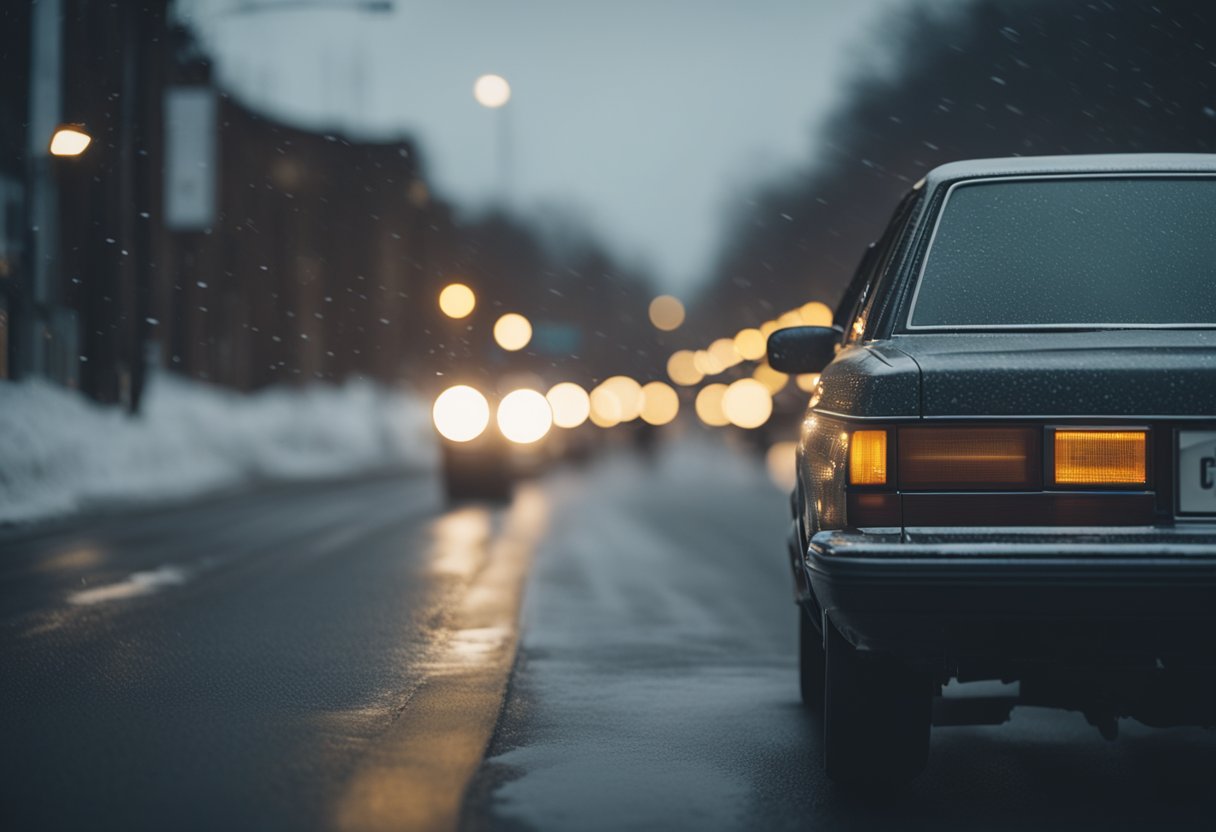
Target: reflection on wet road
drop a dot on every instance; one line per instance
(272, 661)
(657, 689)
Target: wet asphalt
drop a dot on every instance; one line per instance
(225, 665)
(656, 688)
(234, 663)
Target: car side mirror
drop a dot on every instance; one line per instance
(802, 349)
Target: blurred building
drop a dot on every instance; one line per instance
(75, 260)
(310, 267)
(199, 235)
(192, 232)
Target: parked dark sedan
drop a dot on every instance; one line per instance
(1008, 470)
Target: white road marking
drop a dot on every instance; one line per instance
(135, 585)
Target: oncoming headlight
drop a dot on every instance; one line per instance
(524, 416)
(461, 413)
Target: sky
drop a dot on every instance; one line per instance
(647, 120)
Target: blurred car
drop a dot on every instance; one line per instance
(1008, 468)
(487, 443)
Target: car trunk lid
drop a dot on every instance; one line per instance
(1112, 373)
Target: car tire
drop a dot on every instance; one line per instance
(810, 662)
(877, 716)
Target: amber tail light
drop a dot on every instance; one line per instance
(1100, 457)
(970, 458)
(868, 457)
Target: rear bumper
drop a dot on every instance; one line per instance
(1094, 595)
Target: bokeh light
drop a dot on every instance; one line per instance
(709, 405)
(524, 416)
(605, 408)
(789, 319)
(570, 404)
(628, 394)
(781, 460)
(660, 403)
(461, 413)
(457, 300)
(492, 91)
(815, 314)
(724, 354)
(69, 141)
(807, 381)
(706, 364)
(750, 344)
(682, 368)
(773, 380)
(512, 332)
(666, 313)
(747, 403)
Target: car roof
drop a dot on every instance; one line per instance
(1138, 163)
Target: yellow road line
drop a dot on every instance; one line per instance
(415, 777)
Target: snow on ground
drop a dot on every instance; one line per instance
(59, 451)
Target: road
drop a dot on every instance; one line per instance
(278, 660)
(337, 656)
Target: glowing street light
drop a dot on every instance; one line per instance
(682, 368)
(492, 91)
(747, 403)
(750, 344)
(457, 300)
(570, 404)
(666, 313)
(816, 313)
(724, 354)
(69, 140)
(512, 332)
(660, 403)
(605, 408)
(709, 405)
(628, 394)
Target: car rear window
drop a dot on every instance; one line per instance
(1072, 253)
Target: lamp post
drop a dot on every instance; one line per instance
(494, 93)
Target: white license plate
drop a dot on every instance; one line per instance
(1197, 472)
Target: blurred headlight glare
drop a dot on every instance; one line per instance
(570, 404)
(524, 416)
(660, 403)
(461, 413)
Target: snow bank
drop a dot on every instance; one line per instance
(60, 451)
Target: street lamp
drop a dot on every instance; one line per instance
(493, 92)
(666, 313)
(69, 140)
